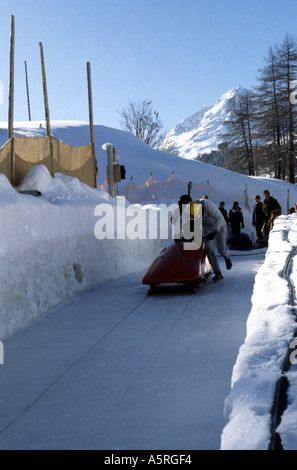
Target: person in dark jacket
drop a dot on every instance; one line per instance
(271, 209)
(258, 217)
(223, 211)
(236, 219)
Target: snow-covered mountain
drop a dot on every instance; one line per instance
(201, 132)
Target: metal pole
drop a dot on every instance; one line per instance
(11, 80)
(111, 184)
(288, 201)
(27, 87)
(190, 185)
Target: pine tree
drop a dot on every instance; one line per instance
(240, 130)
(276, 116)
(287, 56)
(269, 114)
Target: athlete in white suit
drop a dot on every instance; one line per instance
(214, 229)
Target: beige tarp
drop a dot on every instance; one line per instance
(57, 156)
(74, 161)
(5, 159)
(29, 152)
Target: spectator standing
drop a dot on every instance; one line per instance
(223, 211)
(271, 209)
(236, 219)
(258, 217)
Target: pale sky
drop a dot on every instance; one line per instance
(181, 54)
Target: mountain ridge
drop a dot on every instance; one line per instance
(201, 132)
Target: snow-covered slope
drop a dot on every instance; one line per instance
(140, 160)
(201, 132)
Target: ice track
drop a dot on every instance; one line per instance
(116, 369)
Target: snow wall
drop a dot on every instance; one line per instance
(270, 328)
(48, 248)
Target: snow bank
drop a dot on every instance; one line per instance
(140, 160)
(270, 328)
(48, 248)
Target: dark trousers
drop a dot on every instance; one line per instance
(258, 227)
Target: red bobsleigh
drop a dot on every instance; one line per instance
(180, 265)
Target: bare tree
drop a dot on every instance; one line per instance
(142, 121)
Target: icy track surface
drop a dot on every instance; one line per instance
(115, 369)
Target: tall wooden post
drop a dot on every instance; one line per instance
(11, 98)
(11, 80)
(27, 88)
(46, 108)
(90, 102)
(45, 97)
(91, 121)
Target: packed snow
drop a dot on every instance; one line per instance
(270, 330)
(49, 250)
(49, 253)
(117, 369)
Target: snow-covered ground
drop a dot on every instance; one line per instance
(49, 253)
(116, 369)
(270, 330)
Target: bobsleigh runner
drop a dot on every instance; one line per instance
(183, 264)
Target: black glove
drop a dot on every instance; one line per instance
(211, 235)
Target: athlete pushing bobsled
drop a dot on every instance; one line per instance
(214, 230)
(190, 259)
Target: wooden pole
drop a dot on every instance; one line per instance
(46, 108)
(91, 122)
(45, 97)
(27, 88)
(90, 102)
(11, 80)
